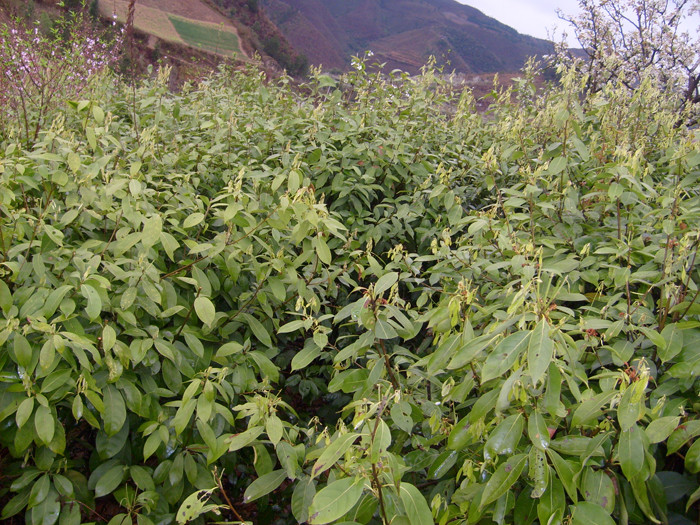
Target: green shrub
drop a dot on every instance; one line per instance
(361, 304)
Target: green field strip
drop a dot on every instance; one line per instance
(210, 37)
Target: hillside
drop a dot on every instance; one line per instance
(402, 33)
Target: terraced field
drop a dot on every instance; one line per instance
(186, 22)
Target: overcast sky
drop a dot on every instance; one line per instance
(536, 17)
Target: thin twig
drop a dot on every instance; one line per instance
(217, 477)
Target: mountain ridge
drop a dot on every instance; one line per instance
(402, 34)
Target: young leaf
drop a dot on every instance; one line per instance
(333, 453)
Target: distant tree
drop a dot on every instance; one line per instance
(626, 40)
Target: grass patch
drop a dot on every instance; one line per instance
(206, 36)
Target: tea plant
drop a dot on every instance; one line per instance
(355, 302)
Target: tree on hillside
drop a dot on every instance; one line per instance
(624, 40)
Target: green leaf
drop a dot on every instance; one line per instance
(303, 495)
(5, 296)
(552, 504)
(694, 497)
(322, 250)
(466, 354)
(109, 481)
(590, 409)
(537, 430)
(505, 476)
(566, 472)
(692, 458)
(660, 429)
(194, 506)
(228, 349)
(152, 228)
(39, 491)
(17, 504)
(639, 488)
(94, 303)
(459, 435)
(442, 464)
(415, 505)
(552, 395)
(333, 453)
(630, 408)
(383, 330)
(274, 428)
(22, 350)
(598, 488)
(109, 337)
(334, 500)
(557, 165)
(258, 329)
(44, 423)
(673, 336)
(205, 310)
(586, 513)
(503, 357)
(24, 411)
(682, 435)
(630, 451)
(539, 472)
(115, 410)
(193, 220)
(183, 416)
(303, 358)
(291, 326)
(539, 352)
(264, 485)
(238, 441)
(46, 512)
(505, 437)
(385, 282)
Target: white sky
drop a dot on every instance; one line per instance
(536, 17)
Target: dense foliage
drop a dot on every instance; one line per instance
(361, 303)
